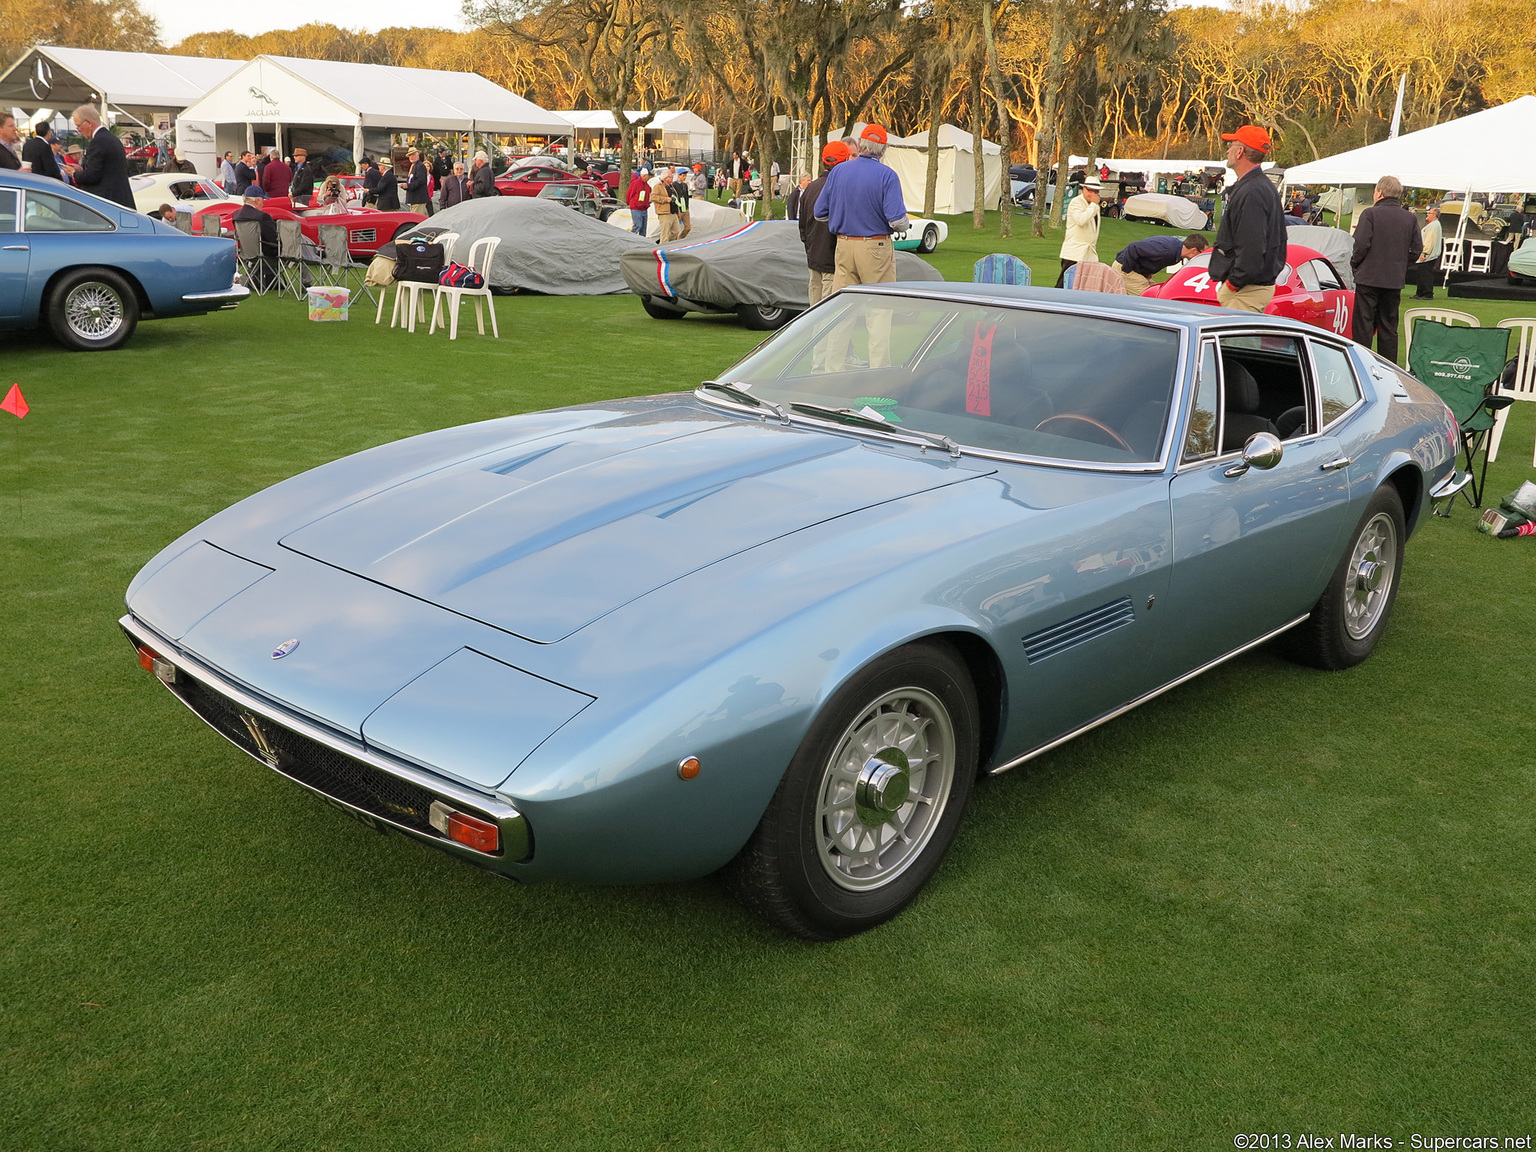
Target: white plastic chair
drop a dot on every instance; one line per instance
(412, 293)
(1524, 386)
(1450, 255)
(481, 252)
(1443, 315)
(1479, 255)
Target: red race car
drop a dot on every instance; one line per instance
(527, 178)
(1308, 289)
(367, 228)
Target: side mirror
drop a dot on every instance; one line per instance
(1263, 451)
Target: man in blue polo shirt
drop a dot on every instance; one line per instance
(1141, 259)
(861, 204)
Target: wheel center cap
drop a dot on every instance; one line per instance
(1369, 576)
(884, 785)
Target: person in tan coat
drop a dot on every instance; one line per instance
(661, 203)
(1082, 239)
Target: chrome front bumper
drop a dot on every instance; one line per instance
(1451, 485)
(270, 734)
(225, 298)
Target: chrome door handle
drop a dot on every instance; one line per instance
(15, 248)
(1341, 462)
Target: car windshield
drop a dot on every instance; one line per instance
(1053, 385)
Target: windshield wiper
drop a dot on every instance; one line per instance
(850, 416)
(738, 392)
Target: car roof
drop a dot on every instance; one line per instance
(1102, 303)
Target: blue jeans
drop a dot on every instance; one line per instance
(637, 218)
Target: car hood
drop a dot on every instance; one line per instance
(557, 532)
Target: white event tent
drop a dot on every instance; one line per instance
(956, 190)
(285, 100)
(140, 87)
(1482, 152)
(675, 131)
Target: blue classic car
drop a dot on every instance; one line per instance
(90, 269)
(781, 624)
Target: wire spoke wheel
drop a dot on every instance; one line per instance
(94, 311)
(884, 789)
(1372, 566)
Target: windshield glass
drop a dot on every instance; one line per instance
(1047, 384)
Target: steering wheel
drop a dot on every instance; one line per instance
(1119, 441)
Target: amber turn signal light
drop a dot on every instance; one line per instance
(462, 828)
(688, 768)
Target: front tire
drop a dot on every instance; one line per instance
(764, 317)
(871, 801)
(93, 310)
(1350, 618)
(659, 311)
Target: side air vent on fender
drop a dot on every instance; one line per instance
(1079, 629)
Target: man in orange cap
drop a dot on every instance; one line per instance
(820, 244)
(1250, 243)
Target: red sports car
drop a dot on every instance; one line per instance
(1308, 289)
(367, 228)
(527, 178)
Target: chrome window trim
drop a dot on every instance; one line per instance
(514, 828)
(1313, 408)
(21, 216)
(1221, 408)
(1183, 374)
(1317, 382)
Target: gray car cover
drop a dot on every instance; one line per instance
(1333, 244)
(545, 247)
(759, 263)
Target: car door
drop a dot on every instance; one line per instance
(1308, 302)
(1252, 548)
(15, 258)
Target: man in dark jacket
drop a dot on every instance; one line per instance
(418, 190)
(387, 197)
(245, 172)
(820, 244)
(482, 179)
(38, 152)
(1387, 241)
(105, 168)
(10, 142)
(1142, 259)
(455, 187)
(305, 173)
(370, 176)
(263, 270)
(1250, 243)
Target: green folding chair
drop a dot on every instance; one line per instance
(1463, 365)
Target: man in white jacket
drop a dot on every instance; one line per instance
(1082, 237)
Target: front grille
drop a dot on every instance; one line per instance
(310, 762)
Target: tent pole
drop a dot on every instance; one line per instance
(357, 144)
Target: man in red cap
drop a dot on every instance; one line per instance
(862, 205)
(820, 244)
(1250, 243)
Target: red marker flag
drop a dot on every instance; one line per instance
(15, 403)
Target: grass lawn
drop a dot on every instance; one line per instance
(1274, 900)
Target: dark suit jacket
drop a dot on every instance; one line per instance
(105, 169)
(268, 227)
(482, 181)
(455, 190)
(416, 185)
(9, 159)
(302, 186)
(389, 191)
(1387, 242)
(245, 176)
(39, 153)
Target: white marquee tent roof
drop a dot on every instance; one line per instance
(1488, 151)
(287, 90)
(141, 79)
(949, 137)
(675, 121)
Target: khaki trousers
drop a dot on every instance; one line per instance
(1254, 298)
(1135, 282)
(863, 262)
(820, 286)
(670, 226)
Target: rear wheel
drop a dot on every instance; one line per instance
(93, 310)
(930, 239)
(871, 801)
(656, 309)
(764, 317)
(1352, 615)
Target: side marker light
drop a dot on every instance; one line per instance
(462, 828)
(688, 768)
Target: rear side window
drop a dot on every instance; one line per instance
(1308, 274)
(1337, 387)
(49, 213)
(7, 210)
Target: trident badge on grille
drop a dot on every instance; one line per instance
(265, 750)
